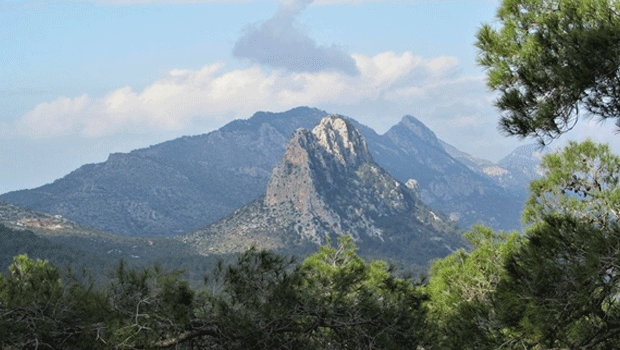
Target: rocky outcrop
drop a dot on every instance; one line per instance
(327, 185)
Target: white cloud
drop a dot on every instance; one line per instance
(183, 97)
(59, 117)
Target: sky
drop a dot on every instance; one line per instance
(80, 79)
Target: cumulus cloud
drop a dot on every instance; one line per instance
(280, 42)
(183, 97)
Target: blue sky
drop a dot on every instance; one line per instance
(82, 79)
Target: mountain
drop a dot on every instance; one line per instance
(66, 243)
(181, 185)
(176, 186)
(524, 164)
(514, 172)
(481, 166)
(328, 185)
(43, 224)
(75, 239)
(409, 150)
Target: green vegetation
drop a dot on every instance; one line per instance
(552, 60)
(14, 242)
(555, 286)
(561, 289)
(461, 291)
(333, 300)
(581, 181)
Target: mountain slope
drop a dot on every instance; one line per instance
(409, 150)
(524, 163)
(181, 185)
(46, 225)
(66, 243)
(514, 172)
(327, 185)
(176, 186)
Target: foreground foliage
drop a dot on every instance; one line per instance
(552, 60)
(556, 286)
(462, 288)
(581, 180)
(332, 300)
(562, 288)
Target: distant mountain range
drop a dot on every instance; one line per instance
(182, 185)
(447, 182)
(513, 172)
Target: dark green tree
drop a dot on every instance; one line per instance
(253, 304)
(361, 305)
(562, 288)
(332, 300)
(150, 308)
(461, 287)
(552, 60)
(42, 308)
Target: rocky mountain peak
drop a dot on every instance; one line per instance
(328, 185)
(293, 180)
(317, 163)
(417, 128)
(339, 137)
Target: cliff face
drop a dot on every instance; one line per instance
(330, 180)
(325, 186)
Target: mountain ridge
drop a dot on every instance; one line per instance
(183, 184)
(175, 186)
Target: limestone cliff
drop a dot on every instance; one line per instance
(328, 185)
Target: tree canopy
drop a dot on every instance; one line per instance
(580, 180)
(552, 61)
(331, 300)
(561, 288)
(556, 286)
(461, 289)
